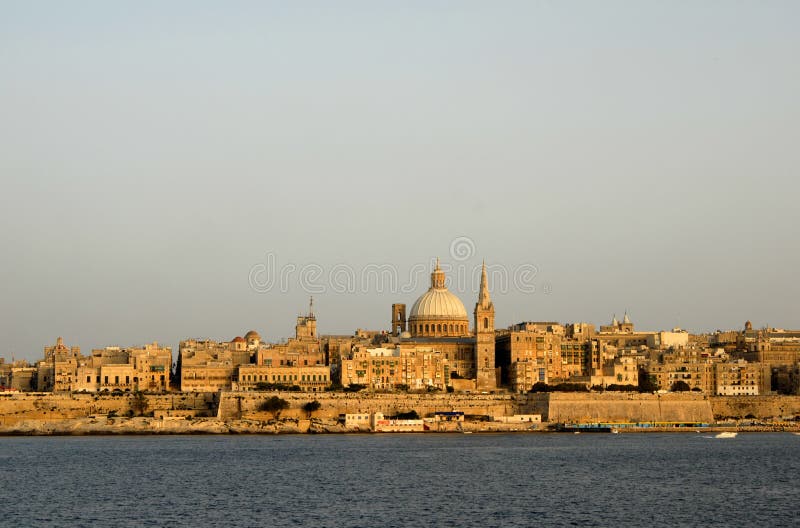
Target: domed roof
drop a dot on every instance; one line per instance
(238, 339)
(438, 303)
(252, 334)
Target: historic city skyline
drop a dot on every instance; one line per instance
(640, 156)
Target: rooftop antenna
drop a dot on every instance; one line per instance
(311, 306)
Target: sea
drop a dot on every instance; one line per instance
(401, 480)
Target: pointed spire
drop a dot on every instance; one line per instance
(311, 306)
(626, 319)
(437, 268)
(484, 299)
(614, 321)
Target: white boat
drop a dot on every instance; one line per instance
(726, 434)
(614, 430)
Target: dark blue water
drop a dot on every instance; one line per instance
(401, 480)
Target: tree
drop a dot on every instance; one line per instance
(647, 382)
(540, 386)
(274, 405)
(680, 386)
(139, 403)
(402, 387)
(310, 407)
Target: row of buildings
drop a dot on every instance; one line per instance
(65, 369)
(434, 346)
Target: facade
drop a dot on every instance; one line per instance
(208, 366)
(111, 369)
(64, 369)
(57, 371)
(531, 352)
(303, 350)
(738, 378)
(438, 325)
(309, 379)
(242, 363)
(413, 366)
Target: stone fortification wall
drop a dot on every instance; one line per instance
(554, 407)
(245, 404)
(15, 407)
(760, 407)
(621, 407)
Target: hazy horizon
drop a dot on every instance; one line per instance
(635, 156)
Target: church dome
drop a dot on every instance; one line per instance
(252, 334)
(438, 312)
(436, 303)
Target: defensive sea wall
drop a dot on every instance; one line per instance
(621, 407)
(236, 405)
(554, 407)
(768, 408)
(16, 407)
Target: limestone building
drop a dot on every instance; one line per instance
(439, 322)
(57, 371)
(396, 364)
(145, 368)
(548, 352)
(303, 350)
(309, 378)
(209, 366)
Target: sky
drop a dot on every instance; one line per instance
(199, 169)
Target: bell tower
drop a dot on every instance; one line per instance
(306, 326)
(398, 319)
(485, 372)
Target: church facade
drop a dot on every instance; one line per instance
(438, 320)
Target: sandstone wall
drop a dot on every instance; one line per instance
(554, 407)
(16, 407)
(245, 404)
(621, 407)
(761, 407)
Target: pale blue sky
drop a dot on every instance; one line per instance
(642, 155)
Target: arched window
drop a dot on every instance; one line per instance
(485, 322)
(426, 328)
(439, 327)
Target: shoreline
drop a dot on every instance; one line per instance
(146, 426)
